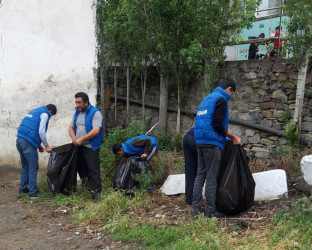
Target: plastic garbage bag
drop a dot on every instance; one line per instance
(127, 170)
(236, 186)
(62, 170)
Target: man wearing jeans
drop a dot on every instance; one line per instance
(211, 129)
(86, 132)
(30, 134)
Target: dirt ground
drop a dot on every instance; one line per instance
(24, 225)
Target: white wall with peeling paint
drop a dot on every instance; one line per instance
(47, 54)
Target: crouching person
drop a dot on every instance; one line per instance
(143, 145)
(86, 132)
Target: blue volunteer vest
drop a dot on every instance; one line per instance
(132, 150)
(97, 140)
(204, 131)
(29, 127)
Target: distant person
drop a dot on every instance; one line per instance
(277, 46)
(30, 134)
(253, 52)
(211, 130)
(86, 132)
(190, 160)
(143, 145)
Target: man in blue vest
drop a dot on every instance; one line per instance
(211, 130)
(86, 132)
(143, 145)
(30, 134)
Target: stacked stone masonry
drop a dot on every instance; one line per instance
(265, 89)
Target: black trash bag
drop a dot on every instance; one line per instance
(236, 186)
(62, 170)
(127, 170)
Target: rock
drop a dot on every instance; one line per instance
(306, 167)
(279, 68)
(279, 94)
(175, 184)
(307, 126)
(270, 184)
(268, 105)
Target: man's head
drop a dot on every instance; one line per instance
(118, 150)
(52, 108)
(82, 101)
(228, 85)
(261, 35)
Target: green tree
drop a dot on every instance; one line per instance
(299, 29)
(180, 37)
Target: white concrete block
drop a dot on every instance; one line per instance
(270, 184)
(175, 184)
(306, 167)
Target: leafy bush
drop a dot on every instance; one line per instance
(292, 135)
(117, 135)
(164, 141)
(177, 143)
(286, 115)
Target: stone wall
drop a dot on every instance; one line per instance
(265, 89)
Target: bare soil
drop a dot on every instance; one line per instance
(25, 225)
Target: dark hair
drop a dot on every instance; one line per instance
(52, 107)
(228, 82)
(262, 34)
(84, 96)
(116, 148)
(278, 27)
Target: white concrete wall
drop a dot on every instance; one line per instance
(47, 54)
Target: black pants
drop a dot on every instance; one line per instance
(209, 158)
(88, 165)
(190, 159)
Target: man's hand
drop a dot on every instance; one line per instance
(41, 148)
(78, 142)
(144, 155)
(237, 141)
(48, 149)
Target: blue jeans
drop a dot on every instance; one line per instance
(30, 166)
(209, 158)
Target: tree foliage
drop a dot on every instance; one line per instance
(182, 38)
(299, 27)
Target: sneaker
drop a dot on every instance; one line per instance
(216, 214)
(33, 196)
(23, 191)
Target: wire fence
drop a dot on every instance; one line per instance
(262, 40)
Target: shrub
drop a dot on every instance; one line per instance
(286, 115)
(292, 135)
(164, 141)
(177, 142)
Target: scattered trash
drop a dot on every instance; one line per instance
(160, 216)
(77, 233)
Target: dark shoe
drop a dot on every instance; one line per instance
(96, 197)
(216, 214)
(196, 211)
(23, 191)
(33, 196)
